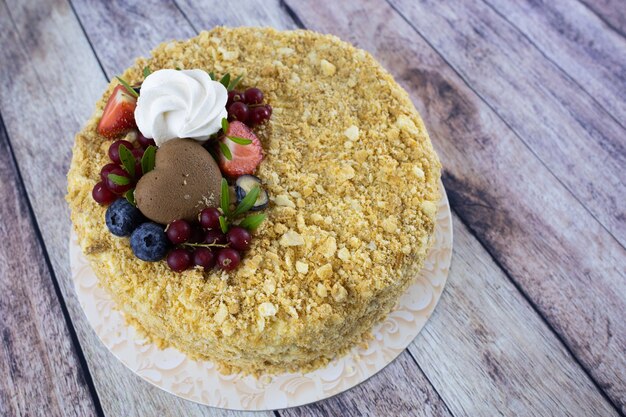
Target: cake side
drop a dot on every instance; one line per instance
(354, 181)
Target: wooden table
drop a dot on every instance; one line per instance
(525, 103)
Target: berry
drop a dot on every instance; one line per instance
(122, 217)
(197, 234)
(204, 257)
(228, 259)
(253, 96)
(215, 236)
(258, 115)
(234, 96)
(137, 153)
(209, 218)
(102, 194)
(114, 150)
(138, 169)
(178, 231)
(269, 110)
(149, 242)
(106, 170)
(144, 141)
(119, 113)
(245, 158)
(118, 189)
(179, 259)
(239, 238)
(239, 111)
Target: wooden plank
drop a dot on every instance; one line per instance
(40, 368)
(612, 12)
(558, 121)
(578, 42)
(49, 82)
(561, 258)
(96, 15)
(395, 391)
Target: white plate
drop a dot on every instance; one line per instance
(173, 372)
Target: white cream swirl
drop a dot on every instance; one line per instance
(180, 104)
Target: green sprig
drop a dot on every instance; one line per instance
(225, 198)
(223, 224)
(252, 221)
(240, 141)
(119, 179)
(226, 151)
(128, 160)
(128, 88)
(146, 71)
(248, 201)
(148, 158)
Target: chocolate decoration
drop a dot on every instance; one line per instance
(185, 180)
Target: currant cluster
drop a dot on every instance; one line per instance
(205, 244)
(248, 107)
(112, 186)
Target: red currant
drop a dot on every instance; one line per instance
(197, 234)
(258, 115)
(204, 257)
(178, 231)
(239, 238)
(102, 194)
(137, 153)
(234, 96)
(209, 218)
(106, 170)
(178, 260)
(118, 189)
(239, 111)
(114, 150)
(228, 259)
(215, 236)
(253, 96)
(144, 141)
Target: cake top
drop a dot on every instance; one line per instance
(349, 168)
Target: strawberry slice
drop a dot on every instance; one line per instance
(245, 158)
(119, 113)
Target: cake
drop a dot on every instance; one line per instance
(352, 180)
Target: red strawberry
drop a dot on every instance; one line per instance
(119, 114)
(245, 158)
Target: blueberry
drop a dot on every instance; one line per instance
(149, 242)
(122, 217)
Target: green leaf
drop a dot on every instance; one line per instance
(146, 71)
(253, 221)
(247, 202)
(177, 68)
(212, 75)
(128, 160)
(223, 224)
(130, 196)
(147, 160)
(128, 88)
(226, 151)
(225, 125)
(240, 141)
(225, 81)
(119, 179)
(234, 83)
(225, 198)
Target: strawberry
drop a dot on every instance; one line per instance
(119, 113)
(245, 158)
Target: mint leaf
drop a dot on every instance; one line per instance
(225, 125)
(223, 224)
(130, 196)
(212, 75)
(119, 179)
(240, 141)
(128, 88)
(234, 83)
(226, 151)
(128, 160)
(253, 221)
(225, 198)
(248, 201)
(147, 160)
(146, 71)
(225, 81)
(177, 68)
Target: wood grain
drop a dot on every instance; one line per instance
(395, 391)
(576, 139)
(49, 73)
(562, 259)
(577, 41)
(41, 372)
(612, 12)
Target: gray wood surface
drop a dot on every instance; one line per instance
(612, 12)
(532, 320)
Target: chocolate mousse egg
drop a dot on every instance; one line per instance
(185, 179)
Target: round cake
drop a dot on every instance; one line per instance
(352, 180)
